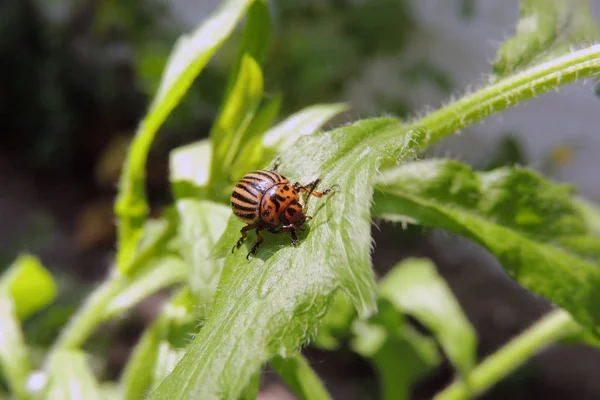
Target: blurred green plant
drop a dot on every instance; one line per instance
(230, 316)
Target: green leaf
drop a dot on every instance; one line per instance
(528, 223)
(591, 214)
(155, 237)
(336, 323)
(414, 287)
(168, 356)
(202, 223)
(159, 274)
(110, 391)
(272, 304)
(30, 285)
(265, 117)
(400, 354)
(251, 390)
(255, 39)
(141, 369)
(71, 378)
(304, 122)
(546, 29)
(251, 156)
(229, 132)
(300, 377)
(14, 356)
(138, 376)
(190, 168)
(190, 55)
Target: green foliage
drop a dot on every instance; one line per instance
(415, 288)
(190, 55)
(530, 224)
(71, 378)
(546, 28)
(231, 315)
(14, 355)
(30, 285)
(297, 373)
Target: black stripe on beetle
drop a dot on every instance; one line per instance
(249, 216)
(266, 175)
(242, 208)
(249, 190)
(241, 197)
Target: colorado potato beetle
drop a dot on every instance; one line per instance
(265, 199)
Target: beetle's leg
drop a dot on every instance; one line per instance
(287, 228)
(258, 243)
(294, 236)
(310, 189)
(244, 232)
(276, 164)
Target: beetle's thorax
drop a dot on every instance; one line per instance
(278, 204)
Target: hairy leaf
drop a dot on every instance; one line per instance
(272, 304)
(414, 287)
(71, 378)
(530, 224)
(30, 285)
(190, 55)
(546, 29)
(14, 356)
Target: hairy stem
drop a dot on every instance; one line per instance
(508, 92)
(552, 327)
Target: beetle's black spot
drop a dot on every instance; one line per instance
(266, 213)
(275, 199)
(271, 219)
(294, 191)
(291, 210)
(287, 197)
(286, 188)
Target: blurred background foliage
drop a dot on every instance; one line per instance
(82, 72)
(78, 76)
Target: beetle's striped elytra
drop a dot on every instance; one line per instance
(265, 199)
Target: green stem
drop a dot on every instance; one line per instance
(89, 316)
(507, 93)
(552, 327)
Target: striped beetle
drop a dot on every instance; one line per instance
(265, 200)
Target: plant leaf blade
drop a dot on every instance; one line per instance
(527, 222)
(415, 288)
